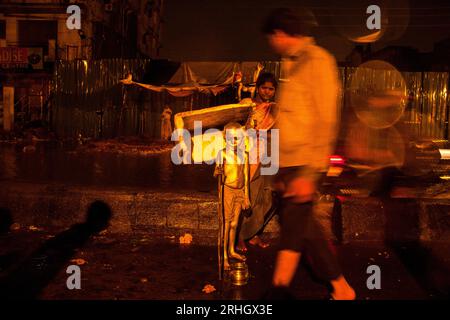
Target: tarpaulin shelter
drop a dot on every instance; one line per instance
(91, 100)
(203, 77)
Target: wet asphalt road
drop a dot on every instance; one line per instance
(151, 266)
(55, 164)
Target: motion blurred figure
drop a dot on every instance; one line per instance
(307, 103)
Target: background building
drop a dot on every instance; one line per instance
(34, 35)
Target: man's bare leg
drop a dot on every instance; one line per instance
(285, 267)
(342, 290)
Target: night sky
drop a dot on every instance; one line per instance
(229, 30)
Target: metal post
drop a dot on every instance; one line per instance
(447, 106)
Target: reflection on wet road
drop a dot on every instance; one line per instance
(55, 164)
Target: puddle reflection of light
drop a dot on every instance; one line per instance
(445, 154)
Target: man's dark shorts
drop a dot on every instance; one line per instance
(300, 229)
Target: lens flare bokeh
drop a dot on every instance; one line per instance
(378, 94)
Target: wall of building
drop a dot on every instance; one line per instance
(116, 16)
(109, 29)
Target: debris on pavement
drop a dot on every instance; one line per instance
(78, 262)
(171, 238)
(208, 288)
(144, 280)
(186, 239)
(15, 226)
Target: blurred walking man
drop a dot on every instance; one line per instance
(307, 119)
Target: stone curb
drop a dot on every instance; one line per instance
(352, 219)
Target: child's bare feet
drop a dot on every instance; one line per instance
(257, 241)
(237, 256)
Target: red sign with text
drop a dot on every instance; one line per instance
(21, 58)
(13, 55)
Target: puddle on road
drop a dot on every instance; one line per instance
(52, 163)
